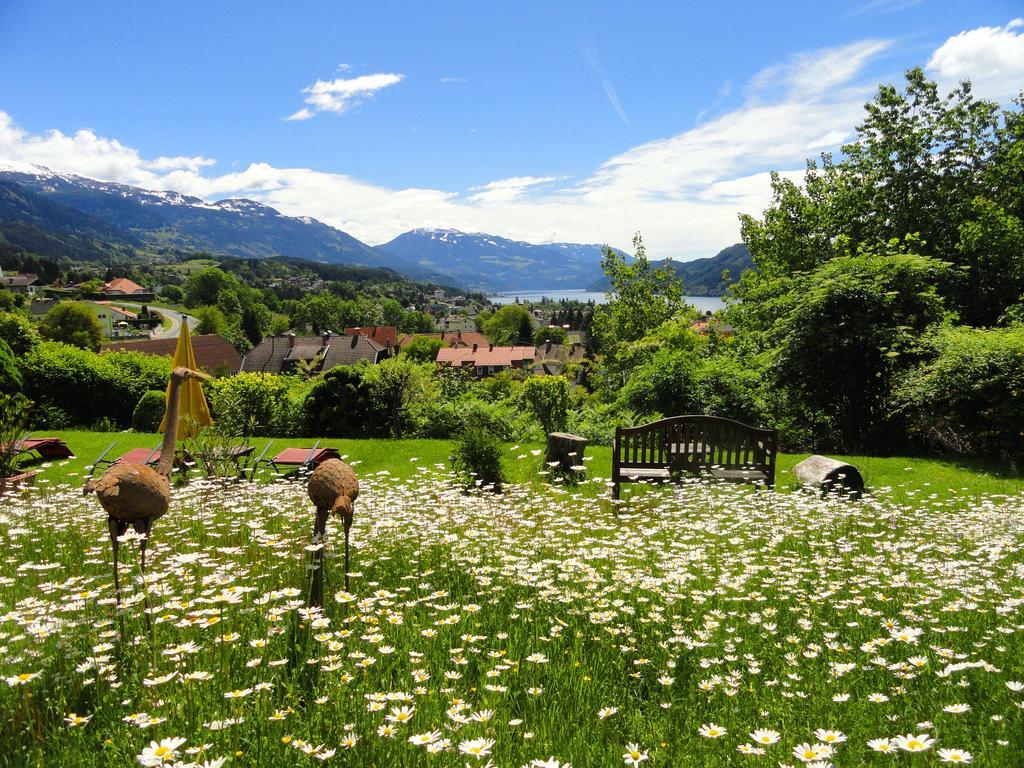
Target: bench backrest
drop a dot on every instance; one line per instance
(695, 442)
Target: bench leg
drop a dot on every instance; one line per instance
(616, 490)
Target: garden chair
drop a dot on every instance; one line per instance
(47, 448)
(304, 460)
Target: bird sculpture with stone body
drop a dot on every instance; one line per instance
(333, 488)
(135, 494)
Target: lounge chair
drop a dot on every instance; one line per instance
(47, 448)
(147, 456)
(301, 460)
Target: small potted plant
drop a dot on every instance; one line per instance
(13, 417)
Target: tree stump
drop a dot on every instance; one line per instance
(565, 449)
(830, 476)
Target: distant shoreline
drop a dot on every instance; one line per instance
(703, 303)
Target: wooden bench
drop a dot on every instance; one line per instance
(709, 446)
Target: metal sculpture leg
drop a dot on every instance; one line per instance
(348, 525)
(116, 528)
(316, 588)
(142, 528)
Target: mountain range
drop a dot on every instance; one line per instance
(703, 277)
(59, 214)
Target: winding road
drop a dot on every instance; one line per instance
(175, 328)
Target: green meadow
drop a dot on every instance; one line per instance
(544, 626)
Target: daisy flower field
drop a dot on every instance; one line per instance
(544, 626)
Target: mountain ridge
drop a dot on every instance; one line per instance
(53, 213)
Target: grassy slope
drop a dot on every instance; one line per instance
(944, 478)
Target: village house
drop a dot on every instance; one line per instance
(456, 323)
(29, 283)
(551, 359)
(312, 354)
(709, 323)
(213, 354)
(487, 360)
(122, 287)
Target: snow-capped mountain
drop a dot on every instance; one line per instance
(491, 263)
(38, 201)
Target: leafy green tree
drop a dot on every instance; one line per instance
(90, 287)
(510, 325)
(944, 170)
(546, 333)
(547, 398)
(211, 321)
(854, 323)
(642, 297)
(8, 300)
(73, 323)
(205, 286)
(422, 349)
(416, 322)
(256, 320)
(172, 293)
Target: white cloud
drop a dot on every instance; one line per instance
(341, 94)
(992, 58)
(590, 51)
(682, 192)
(884, 6)
(506, 190)
(816, 73)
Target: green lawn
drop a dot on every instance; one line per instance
(944, 478)
(704, 626)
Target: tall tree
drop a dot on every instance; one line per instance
(944, 169)
(74, 323)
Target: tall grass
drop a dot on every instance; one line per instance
(544, 624)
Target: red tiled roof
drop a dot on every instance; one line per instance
(212, 352)
(486, 355)
(124, 285)
(385, 335)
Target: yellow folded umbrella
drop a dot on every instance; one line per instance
(193, 412)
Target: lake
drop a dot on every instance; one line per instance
(703, 303)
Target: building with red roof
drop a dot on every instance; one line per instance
(122, 286)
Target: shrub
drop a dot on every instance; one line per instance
(10, 376)
(149, 411)
(478, 458)
(729, 388)
(84, 387)
(395, 386)
(445, 419)
(597, 422)
(342, 404)
(966, 397)
(256, 404)
(423, 349)
(20, 335)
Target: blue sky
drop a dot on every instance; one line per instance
(545, 121)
